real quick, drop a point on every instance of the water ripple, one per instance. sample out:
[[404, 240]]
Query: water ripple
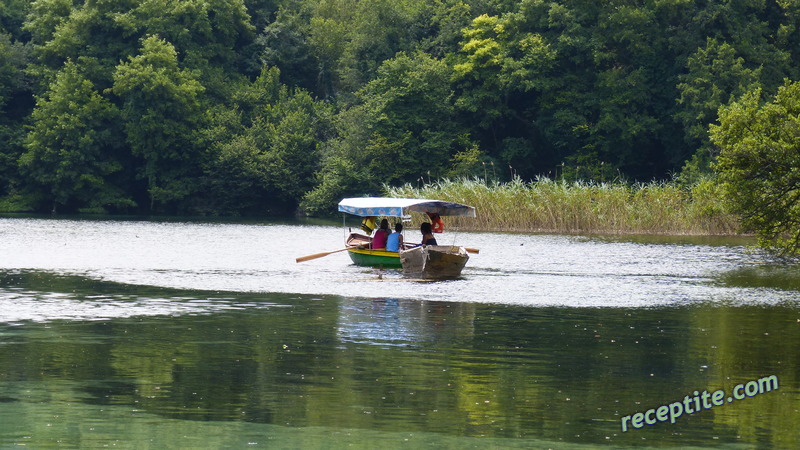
[[516, 269]]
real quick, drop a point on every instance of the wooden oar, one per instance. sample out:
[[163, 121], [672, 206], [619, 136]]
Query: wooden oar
[[318, 255]]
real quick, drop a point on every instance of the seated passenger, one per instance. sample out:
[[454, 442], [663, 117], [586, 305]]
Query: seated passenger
[[395, 240], [427, 235], [379, 240]]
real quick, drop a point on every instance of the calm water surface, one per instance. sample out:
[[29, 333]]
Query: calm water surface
[[138, 334]]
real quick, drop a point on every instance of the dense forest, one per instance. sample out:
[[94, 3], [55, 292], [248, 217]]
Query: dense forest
[[231, 107]]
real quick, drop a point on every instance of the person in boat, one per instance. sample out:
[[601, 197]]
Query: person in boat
[[427, 234], [437, 224], [395, 240], [381, 236]]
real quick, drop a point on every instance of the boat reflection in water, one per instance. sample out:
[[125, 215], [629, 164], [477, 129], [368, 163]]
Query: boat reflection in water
[[392, 322]]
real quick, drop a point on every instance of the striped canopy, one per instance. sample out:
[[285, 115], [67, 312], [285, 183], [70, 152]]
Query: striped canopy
[[399, 207]]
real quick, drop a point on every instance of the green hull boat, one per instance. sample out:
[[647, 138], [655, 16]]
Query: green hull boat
[[375, 258]]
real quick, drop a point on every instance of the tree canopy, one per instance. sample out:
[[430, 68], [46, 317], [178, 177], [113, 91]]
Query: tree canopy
[[760, 165], [278, 106]]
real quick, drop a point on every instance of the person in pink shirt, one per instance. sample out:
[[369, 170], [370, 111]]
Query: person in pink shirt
[[379, 240]]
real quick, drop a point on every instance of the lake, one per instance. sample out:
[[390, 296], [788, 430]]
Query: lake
[[189, 334]]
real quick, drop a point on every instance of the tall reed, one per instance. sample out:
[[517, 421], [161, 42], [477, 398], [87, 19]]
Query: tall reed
[[547, 205]]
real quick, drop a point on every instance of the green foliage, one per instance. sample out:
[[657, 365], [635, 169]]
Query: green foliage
[[442, 26], [759, 165], [160, 110], [15, 105], [410, 89], [340, 178], [285, 44], [71, 146], [500, 61], [341, 42], [87, 34], [12, 16], [208, 34], [264, 151], [400, 131], [716, 77]]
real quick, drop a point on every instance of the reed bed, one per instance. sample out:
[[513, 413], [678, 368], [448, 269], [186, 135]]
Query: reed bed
[[551, 206]]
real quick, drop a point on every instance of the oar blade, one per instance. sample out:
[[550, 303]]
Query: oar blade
[[318, 255], [310, 257]]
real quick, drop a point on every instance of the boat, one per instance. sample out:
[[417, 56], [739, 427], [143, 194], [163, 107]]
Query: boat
[[428, 262], [434, 261], [359, 251]]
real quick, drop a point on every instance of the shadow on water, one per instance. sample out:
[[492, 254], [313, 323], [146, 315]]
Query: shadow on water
[[41, 296]]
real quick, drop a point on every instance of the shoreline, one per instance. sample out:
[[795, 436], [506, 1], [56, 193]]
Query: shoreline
[[539, 207]]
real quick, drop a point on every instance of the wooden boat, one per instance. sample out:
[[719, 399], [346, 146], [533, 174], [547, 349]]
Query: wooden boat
[[434, 261], [425, 262], [362, 255]]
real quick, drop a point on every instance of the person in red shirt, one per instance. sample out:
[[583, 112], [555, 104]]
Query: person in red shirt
[[379, 240]]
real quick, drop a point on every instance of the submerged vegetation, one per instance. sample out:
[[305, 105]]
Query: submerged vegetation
[[547, 205]]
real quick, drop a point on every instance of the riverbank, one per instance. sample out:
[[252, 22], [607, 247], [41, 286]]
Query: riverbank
[[548, 206], [558, 207]]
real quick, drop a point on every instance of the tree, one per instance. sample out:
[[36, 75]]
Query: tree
[[343, 42], [210, 36], [161, 109], [409, 112], [500, 62], [716, 77], [264, 150], [403, 128], [285, 45], [12, 16], [16, 103], [759, 165], [71, 148], [87, 33]]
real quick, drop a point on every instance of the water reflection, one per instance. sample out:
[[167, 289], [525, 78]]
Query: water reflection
[[783, 277], [388, 370], [141, 334], [398, 322], [44, 296]]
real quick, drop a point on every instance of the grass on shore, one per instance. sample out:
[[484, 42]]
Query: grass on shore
[[552, 206]]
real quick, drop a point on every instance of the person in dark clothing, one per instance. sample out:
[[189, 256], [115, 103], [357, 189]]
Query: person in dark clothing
[[427, 234]]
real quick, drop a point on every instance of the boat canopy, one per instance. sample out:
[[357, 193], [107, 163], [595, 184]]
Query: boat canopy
[[400, 207]]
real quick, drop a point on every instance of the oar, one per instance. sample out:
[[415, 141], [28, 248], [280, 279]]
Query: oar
[[318, 255], [468, 249]]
